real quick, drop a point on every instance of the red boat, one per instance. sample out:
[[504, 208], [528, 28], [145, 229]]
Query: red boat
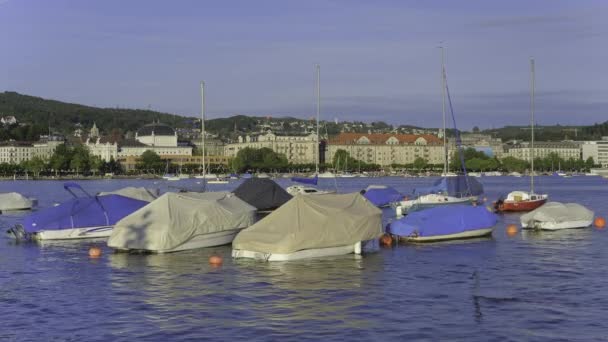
[[520, 201]]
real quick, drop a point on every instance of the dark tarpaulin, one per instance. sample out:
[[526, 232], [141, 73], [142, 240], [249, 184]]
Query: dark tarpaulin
[[262, 193]]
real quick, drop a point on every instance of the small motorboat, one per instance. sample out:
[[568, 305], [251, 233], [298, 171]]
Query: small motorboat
[[15, 201], [311, 227], [556, 216], [141, 193], [170, 177], [78, 218], [183, 221], [327, 174], [444, 223], [381, 195], [304, 190], [520, 201], [264, 194], [218, 181]]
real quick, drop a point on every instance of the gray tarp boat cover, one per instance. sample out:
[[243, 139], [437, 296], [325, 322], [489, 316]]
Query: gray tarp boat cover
[[262, 193], [175, 218], [142, 194], [557, 212], [312, 222], [14, 201]]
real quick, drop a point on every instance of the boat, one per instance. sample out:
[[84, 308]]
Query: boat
[[141, 193], [311, 227], [264, 194], [444, 223], [451, 188], [170, 177], [327, 174], [381, 195], [79, 218], [557, 216], [522, 200], [445, 191], [262, 175], [294, 190], [346, 175], [218, 181], [515, 174], [183, 221], [10, 201]]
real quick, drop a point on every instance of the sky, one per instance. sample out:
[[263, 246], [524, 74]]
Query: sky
[[379, 59]]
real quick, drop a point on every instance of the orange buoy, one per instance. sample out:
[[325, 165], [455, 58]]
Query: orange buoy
[[94, 252], [511, 230], [386, 240], [599, 222], [215, 260]]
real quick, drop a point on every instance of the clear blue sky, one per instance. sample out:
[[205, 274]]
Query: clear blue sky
[[379, 59]]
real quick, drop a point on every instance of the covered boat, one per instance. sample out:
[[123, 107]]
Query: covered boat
[[141, 193], [15, 201], [448, 190], [556, 215], [381, 195], [311, 226], [181, 221], [78, 218], [262, 193], [444, 223]]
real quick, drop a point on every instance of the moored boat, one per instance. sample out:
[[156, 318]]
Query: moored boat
[[381, 195], [141, 193], [78, 218], [444, 223], [520, 201], [15, 201], [557, 216], [182, 221], [264, 194], [310, 227]]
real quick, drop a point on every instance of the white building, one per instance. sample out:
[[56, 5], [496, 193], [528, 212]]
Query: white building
[[16, 152], [598, 150], [565, 150], [8, 120], [298, 149], [156, 137], [385, 148]]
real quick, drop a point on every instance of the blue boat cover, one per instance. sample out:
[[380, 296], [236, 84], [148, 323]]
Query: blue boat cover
[[443, 220], [382, 196], [312, 180], [81, 212], [459, 186]]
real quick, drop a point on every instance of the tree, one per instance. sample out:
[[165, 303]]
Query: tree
[[150, 160], [60, 160], [35, 165], [80, 159], [589, 163], [512, 164], [420, 163]]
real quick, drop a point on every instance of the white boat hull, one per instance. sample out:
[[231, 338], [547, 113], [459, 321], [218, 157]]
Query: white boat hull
[[557, 225], [74, 233], [457, 236], [303, 254], [431, 200]]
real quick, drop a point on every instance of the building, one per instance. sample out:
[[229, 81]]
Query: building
[[598, 150], [16, 152], [385, 148], [156, 137], [298, 149], [483, 142], [213, 146], [130, 163], [564, 149], [8, 120], [94, 133]]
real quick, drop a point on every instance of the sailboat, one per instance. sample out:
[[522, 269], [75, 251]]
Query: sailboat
[[525, 200], [451, 188], [169, 176], [207, 178], [308, 190]]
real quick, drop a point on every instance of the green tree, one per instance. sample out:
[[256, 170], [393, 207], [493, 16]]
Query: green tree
[[80, 159], [512, 164], [420, 164], [35, 166], [60, 160], [150, 160], [589, 163]]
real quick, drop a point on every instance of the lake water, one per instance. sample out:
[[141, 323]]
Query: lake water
[[547, 286]]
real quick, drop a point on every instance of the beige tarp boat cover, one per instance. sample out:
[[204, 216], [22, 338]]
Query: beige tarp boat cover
[[142, 194], [175, 218], [312, 222], [558, 212], [14, 201]]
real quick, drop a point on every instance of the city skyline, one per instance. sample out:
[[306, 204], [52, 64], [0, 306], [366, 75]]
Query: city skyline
[[378, 61]]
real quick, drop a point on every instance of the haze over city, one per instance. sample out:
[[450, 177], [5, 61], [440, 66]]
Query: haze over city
[[379, 60]]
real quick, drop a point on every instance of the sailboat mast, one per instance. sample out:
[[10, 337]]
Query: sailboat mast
[[446, 161], [317, 159], [532, 85], [203, 126]]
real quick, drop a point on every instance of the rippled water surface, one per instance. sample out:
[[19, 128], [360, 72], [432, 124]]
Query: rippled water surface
[[546, 286]]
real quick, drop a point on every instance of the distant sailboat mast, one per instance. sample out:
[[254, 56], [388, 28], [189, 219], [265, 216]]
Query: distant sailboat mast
[[318, 157], [203, 129], [446, 160], [532, 85]]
